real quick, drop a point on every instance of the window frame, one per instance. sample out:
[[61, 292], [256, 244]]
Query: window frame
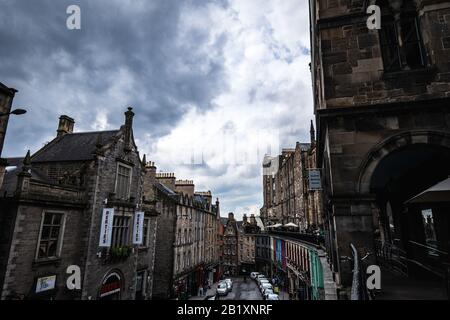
[[406, 16], [121, 164], [146, 235], [59, 243], [129, 231]]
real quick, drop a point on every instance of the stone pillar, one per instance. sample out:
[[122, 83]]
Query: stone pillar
[[24, 177]]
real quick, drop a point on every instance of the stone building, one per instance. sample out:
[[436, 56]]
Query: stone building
[[188, 255], [247, 244], [381, 102], [287, 196], [52, 209], [231, 245], [6, 99]]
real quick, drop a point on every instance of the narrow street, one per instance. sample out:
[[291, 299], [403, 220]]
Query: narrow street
[[243, 291]]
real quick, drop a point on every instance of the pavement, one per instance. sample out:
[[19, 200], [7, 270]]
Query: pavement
[[398, 287]]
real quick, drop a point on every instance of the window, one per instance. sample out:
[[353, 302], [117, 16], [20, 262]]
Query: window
[[145, 235], [123, 181], [120, 231], [400, 39], [140, 285], [50, 236]]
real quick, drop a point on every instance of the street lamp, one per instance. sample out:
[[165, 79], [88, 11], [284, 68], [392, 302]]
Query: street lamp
[[16, 112]]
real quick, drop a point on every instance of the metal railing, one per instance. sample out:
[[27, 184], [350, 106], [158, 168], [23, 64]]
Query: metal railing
[[306, 237], [359, 289]]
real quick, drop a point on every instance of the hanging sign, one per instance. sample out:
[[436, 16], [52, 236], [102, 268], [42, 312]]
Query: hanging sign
[[106, 227], [315, 182], [138, 227]]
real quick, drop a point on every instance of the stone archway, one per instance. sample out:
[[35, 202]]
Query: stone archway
[[391, 144], [393, 172]]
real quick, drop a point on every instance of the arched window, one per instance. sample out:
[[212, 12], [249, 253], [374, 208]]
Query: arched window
[[400, 38]]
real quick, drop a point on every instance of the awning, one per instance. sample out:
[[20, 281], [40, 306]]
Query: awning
[[437, 193], [291, 224]]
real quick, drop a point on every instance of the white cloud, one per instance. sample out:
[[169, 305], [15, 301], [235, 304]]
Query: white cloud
[[269, 95]]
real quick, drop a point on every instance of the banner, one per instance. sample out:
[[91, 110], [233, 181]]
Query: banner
[[106, 227], [138, 229]]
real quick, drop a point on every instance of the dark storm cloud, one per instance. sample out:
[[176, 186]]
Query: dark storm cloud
[[126, 51]]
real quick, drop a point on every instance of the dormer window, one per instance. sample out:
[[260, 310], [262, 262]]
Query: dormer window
[[123, 181], [400, 38]]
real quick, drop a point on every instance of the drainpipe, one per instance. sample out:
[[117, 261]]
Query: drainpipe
[[93, 213]]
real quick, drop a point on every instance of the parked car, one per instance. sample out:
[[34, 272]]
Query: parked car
[[260, 276], [272, 296], [229, 283], [258, 279], [265, 286], [253, 275], [222, 288], [267, 292], [261, 281]]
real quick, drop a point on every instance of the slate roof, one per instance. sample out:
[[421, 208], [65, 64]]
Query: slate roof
[[73, 146], [10, 180], [161, 187]]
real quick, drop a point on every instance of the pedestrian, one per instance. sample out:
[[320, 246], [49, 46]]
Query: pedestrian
[[205, 289], [200, 291]]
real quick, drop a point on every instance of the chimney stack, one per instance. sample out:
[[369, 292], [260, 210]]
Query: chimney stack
[[128, 128], [65, 125], [149, 180]]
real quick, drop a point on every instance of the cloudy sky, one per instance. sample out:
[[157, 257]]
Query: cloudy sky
[[214, 84]]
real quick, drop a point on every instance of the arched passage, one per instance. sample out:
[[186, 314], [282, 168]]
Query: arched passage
[[397, 170]]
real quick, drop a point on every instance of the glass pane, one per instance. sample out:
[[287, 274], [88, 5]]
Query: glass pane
[[42, 250], [48, 218], [55, 233], [57, 219], [45, 233], [52, 249]]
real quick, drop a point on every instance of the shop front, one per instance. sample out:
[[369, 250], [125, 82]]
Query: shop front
[[112, 286]]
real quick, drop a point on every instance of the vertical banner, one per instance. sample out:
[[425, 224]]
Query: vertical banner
[[106, 227], [138, 227]]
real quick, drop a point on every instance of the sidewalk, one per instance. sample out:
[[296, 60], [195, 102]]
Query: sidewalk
[[209, 292]]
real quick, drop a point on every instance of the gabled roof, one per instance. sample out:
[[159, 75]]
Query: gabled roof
[[74, 146]]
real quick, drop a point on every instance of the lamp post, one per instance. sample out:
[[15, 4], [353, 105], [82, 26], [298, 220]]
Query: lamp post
[[3, 125], [16, 112]]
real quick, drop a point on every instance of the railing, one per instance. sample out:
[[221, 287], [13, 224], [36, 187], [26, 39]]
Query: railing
[[306, 237], [359, 289], [392, 255]]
